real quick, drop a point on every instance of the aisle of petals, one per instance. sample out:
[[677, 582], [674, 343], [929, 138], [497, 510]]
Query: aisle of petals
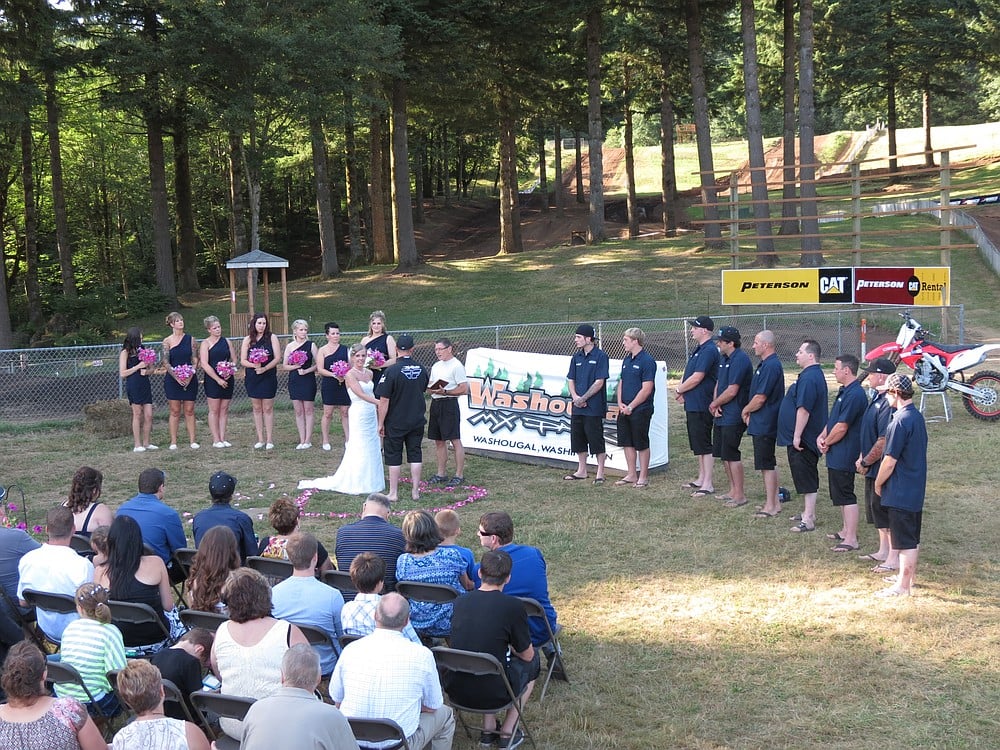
[[468, 493]]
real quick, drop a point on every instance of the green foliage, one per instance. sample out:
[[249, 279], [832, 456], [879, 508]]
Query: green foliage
[[645, 132]]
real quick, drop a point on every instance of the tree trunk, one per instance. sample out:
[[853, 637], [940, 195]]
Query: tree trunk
[[6, 332], [579, 167], [703, 134], [251, 158], [668, 170], [355, 204], [159, 207], [543, 172], [926, 110], [789, 211], [402, 203], [237, 193], [755, 137], [58, 190], [891, 115], [560, 188], [510, 209], [633, 212], [811, 247], [36, 318], [595, 224], [324, 205], [446, 165], [187, 251], [381, 247], [420, 184]]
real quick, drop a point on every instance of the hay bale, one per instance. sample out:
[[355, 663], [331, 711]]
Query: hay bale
[[108, 418]]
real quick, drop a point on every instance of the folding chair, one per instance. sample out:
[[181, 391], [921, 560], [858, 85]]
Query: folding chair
[[22, 620], [81, 545], [341, 580], [274, 569], [478, 664], [553, 659], [316, 636], [437, 593], [134, 613], [61, 674], [225, 706], [196, 618], [47, 601], [172, 694], [183, 558], [378, 731], [346, 638]]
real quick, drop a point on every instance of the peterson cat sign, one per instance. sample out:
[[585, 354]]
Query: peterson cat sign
[[909, 285], [519, 403]]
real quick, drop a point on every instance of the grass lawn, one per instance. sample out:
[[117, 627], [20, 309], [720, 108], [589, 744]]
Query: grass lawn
[[686, 624]]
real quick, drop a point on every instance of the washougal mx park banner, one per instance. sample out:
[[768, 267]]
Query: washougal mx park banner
[[519, 403]]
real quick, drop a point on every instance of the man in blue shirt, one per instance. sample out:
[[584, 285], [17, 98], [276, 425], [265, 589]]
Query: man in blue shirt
[[695, 391], [635, 407], [587, 378], [761, 417], [732, 393], [160, 524], [840, 442], [874, 423], [902, 479], [221, 487], [801, 418]]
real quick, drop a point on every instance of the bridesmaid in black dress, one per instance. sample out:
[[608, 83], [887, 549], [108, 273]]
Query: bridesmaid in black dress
[[138, 390], [261, 377], [378, 338], [334, 391], [301, 380], [181, 392], [218, 385]]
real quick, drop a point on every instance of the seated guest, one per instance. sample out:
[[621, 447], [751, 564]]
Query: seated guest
[[30, 712], [385, 676], [424, 561], [14, 544], [183, 664], [99, 545], [84, 493], [93, 646], [292, 717], [160, 524], [528, 577], [493, 622], [131, 576], [56, 568], [141, 687], [284, 518], [304, 600], [221, 513], [248, 647], [212, 563], [450, 529], [373, 533], [368, 576]]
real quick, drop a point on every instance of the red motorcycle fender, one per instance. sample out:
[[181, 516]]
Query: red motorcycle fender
[[885, 350]]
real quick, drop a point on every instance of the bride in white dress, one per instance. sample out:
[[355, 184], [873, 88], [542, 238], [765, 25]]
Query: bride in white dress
[[360, 471]]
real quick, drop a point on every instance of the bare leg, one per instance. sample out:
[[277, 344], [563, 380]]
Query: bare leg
[[601, 458], [223, 417], [268, 404], [771, 503], [213, 419], [581, 468], [324, 423], [393, 493], [137, 426], [441, 453], [310, 420], [630, 456], [300, 420], [907, 571], [705, 465], [459, 457], [737, 478], [147, 427], [189, 419], [258, 418], [809, 510], [174, 421], [344, 422], [415, 470], [510, 720], [643, 465], [850, 532]]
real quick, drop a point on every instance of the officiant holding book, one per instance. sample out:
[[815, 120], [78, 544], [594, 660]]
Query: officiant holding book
[[448, 382]]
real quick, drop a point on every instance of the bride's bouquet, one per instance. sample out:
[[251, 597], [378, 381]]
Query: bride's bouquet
[[375, 360], [340, 369]]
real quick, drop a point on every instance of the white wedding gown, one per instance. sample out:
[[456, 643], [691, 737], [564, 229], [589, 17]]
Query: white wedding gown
[[360, 471]]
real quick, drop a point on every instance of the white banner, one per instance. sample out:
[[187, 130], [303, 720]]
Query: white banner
[[519, 403]]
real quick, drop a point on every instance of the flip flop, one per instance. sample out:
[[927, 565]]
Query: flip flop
[[844, 547], [764, 514], [640, 485], [802, 528], [871, 557], [572, 477], [691, 486], [835, 536], [599, 480], [883, 569], [724, 497], [702, 493], [624, 482], [735, 503]]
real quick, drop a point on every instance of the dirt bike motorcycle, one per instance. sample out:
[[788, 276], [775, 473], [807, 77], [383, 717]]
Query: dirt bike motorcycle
[[939, 367]]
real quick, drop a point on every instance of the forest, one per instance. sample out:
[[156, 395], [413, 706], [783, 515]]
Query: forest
[[144, 144]]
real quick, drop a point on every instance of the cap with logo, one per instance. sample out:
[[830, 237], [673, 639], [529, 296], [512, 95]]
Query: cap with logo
[[585, 329], [703, 321], [221, 485], [405, 342], [882, 366], [728, 333]]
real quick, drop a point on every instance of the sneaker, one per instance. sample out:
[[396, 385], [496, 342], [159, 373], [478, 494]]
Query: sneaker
[[300, 446], [437, 479], [269, 446], [195, 446], [152, 447], [218, 444], [327, 447], [258, 446], [456, 481], [173, 447], [306, 446], [488, 739], [226, 444], [138, 449], [515, 740]]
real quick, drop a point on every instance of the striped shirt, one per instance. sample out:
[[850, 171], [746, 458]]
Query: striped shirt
[[92, 648]]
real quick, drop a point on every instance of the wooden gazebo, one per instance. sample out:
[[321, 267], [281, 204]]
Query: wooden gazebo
[[252, 261]]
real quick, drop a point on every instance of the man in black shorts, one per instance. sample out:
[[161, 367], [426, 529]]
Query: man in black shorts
[[767, 387], [587, 377], [448, 382], [402, 415], [695, 391]]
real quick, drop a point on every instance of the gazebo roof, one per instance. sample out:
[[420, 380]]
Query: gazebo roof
[[257, 259]]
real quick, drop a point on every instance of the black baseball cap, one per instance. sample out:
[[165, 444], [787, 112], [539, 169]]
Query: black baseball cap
[[221, 485], [881, 365], [585, 329], [728, 333], [703, 321], [405, 342]]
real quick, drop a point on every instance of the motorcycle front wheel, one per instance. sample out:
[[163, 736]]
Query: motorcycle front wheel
[[987, 405]]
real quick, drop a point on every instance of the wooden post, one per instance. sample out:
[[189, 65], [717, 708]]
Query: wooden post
[[856, 210], [284, 295], [267, 295], [946, 222], [250, 291], [734, 219]]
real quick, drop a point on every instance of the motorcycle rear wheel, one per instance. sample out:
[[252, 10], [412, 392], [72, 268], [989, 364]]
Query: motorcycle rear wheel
[[986, 409]]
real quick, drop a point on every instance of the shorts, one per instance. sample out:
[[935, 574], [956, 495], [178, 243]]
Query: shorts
[[520, 672], [393, 448], [763, 453], [805, 474], [445, 420], [633, 430], [841, 487], [874, 511], [904, 528], [699, 427], [726, 444], [587, 431]]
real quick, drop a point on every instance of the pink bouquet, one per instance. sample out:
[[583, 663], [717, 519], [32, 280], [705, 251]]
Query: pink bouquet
[[297, 358], [184, 372], [340, 369], [225, 369], [146, 356], [258, 355], [375, 359]]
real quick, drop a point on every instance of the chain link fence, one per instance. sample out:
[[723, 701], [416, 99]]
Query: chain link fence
[[50, 384]]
